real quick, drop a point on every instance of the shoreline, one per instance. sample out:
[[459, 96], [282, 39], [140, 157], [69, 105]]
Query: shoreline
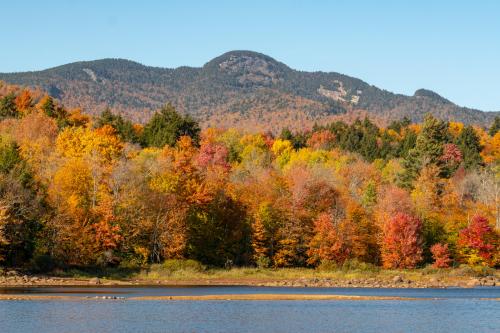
[[398, 281], [157, 275], [226, 297]]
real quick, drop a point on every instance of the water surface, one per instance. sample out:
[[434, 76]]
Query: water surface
[[456, 310]]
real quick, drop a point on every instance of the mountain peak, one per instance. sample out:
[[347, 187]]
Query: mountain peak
[[249, 68], [244, 54], [432, 95]]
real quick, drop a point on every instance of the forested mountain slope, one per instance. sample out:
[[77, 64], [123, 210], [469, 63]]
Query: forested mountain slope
[[239, 88]]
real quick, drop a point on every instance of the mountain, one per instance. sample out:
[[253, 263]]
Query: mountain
[[239, 88]]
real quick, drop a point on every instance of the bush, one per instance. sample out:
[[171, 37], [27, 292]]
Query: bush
[[42, 263], [174, 265], [263, 262], [441, 255], [474, 271], [356, 265], [328, 265], [348, 265], [481, 271]]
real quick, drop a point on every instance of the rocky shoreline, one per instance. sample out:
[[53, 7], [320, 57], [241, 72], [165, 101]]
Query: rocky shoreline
[[396, 282], [16, 279]]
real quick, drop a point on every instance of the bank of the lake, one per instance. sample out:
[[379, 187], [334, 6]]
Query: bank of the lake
[[292, 277]]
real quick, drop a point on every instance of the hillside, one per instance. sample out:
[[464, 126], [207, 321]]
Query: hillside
[[239, 88]]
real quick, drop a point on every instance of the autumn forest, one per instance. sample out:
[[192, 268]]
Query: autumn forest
[[79, 191]]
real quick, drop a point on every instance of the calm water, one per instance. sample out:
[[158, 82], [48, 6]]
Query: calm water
[[456, 310]]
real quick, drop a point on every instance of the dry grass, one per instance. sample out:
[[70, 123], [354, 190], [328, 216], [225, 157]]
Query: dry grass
[[284, 274]]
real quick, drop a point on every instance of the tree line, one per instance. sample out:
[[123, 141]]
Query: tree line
[[81, 191]]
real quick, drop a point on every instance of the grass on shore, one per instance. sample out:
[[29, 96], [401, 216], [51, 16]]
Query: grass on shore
[[192, 271]]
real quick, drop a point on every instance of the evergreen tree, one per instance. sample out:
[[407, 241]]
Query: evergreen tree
[[286, 134], [469, 144], [8, 107], [428, 149], [48, 106], [369, 198], [123, 127], [495, 127], [298, 140], [368, 147], [166, 126], [408, 143], [398, 125]]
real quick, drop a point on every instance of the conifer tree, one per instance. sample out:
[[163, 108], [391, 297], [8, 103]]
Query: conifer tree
[[428, 149], [8, 107], [167, 126], [495, 127], [469, 145]]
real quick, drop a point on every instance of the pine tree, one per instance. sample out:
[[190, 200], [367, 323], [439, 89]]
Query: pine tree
[[123, 127], [47, 105], [167, 126], [469, 144], [369, 198], [495, 127], [428, 149], [8, 107]]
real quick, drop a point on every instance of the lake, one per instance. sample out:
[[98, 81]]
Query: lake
[[452, 310]]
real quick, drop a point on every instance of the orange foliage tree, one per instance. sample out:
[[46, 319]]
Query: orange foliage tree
[[441, 255], [402, 242]]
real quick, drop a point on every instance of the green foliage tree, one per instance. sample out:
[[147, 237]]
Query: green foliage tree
[[428, 149], [8, 107], [495, 127], [369, 198], [123, 127], [20, 208], [398, 125], [470, 146], [166, 126], [406, 144], [219, 233], [48, 106]]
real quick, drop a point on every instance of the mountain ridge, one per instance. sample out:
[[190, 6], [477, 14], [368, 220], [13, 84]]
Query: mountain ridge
[[236, 89]]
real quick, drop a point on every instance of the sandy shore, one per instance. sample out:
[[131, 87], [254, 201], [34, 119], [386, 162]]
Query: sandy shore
[[229, 297], [273, 297]]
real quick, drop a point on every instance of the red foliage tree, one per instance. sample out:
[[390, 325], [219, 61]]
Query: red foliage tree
[[402, 242], [321, 140], [332, 241], [451, 153], [441, 256], [214, 155], [479, 241]]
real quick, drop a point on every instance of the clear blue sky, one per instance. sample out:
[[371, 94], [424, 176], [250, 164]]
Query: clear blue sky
[[451, 47]]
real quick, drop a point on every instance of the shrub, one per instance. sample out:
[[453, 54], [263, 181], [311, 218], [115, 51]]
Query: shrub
[[441, 256], [174, 265], [348, 265], [356, 265], [263, 262], [473, 271], [327, 266], [42, 263]]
